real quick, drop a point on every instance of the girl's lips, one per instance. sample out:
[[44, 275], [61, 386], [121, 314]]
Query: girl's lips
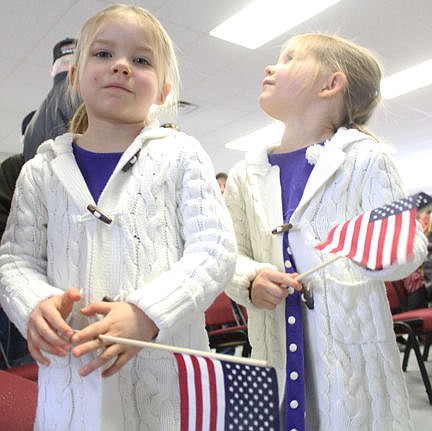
[[267, 82], [118, 87]]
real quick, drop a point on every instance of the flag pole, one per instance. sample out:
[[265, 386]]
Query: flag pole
[[175, 349], [317, 268]]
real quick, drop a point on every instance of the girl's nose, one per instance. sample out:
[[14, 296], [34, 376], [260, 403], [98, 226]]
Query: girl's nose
[[269, 70], [121, 66]]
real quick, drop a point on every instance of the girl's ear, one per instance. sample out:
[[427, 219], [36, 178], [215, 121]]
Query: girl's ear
[[163, 95], [333, 85]]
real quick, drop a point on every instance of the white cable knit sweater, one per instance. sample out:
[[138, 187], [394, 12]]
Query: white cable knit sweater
[[170, 250], [353, 373]]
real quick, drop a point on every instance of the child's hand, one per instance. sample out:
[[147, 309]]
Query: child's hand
[[47, 329], [269, 288], [121, 319]]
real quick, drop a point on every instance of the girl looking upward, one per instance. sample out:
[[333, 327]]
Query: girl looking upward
[[338, 365]]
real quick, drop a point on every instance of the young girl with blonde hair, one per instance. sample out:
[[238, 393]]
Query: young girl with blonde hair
[[338, 364], [119, 208]]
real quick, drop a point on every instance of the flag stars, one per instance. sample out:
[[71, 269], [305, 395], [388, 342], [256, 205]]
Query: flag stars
[[253, 402], [249, 404]]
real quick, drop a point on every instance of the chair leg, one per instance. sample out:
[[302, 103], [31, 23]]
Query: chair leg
[[407, 352], [427, 344], [246, 351], [412, 342], [422, 367], [4, 356]]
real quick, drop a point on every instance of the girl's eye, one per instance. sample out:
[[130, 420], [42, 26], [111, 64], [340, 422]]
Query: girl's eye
[[103, 54], [142, 61]]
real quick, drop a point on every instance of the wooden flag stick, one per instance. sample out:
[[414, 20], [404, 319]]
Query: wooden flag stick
[[317, 268], [175, 349]]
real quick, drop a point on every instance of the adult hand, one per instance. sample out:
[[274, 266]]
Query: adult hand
[[121, 319], [47, 329], [270, 287]]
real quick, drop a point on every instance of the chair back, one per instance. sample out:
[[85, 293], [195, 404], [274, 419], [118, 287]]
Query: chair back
[[18, 398], [396, 296], [220, 312]]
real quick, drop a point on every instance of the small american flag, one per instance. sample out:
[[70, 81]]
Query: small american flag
[[219, 395], [378, 238]]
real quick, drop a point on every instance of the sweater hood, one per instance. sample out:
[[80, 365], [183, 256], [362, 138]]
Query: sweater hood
[[343, 138], [63, 144]]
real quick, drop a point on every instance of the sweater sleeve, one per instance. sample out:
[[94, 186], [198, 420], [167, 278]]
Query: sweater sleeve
[[383, 185], [207, 261], [246, 268], [23, 280]]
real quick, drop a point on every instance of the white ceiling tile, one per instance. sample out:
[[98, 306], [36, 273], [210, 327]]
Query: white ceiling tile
[[224, 80]]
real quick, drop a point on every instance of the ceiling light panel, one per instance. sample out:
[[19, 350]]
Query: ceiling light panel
[[263, 20], [407, 80], [270, 135]]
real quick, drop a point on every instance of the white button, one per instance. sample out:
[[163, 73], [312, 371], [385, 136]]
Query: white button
[[293, 347], [289, 250], [294, 375], [290, 290], [291, 320], [288, 264], [293, 429], [294, 404]]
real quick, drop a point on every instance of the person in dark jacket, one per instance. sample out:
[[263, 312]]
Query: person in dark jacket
[[50, 120], [13, 347], [54, 114]]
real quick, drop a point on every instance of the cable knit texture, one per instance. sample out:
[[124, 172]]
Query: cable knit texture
[[170, 250], [354, 379]]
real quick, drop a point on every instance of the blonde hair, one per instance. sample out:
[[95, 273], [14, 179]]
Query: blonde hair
[[164, 54], [428, 229], [361, 68]]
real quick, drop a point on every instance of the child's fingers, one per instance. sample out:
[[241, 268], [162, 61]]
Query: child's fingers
[[97, 308], [37, 355], [50, 327], [36, 345], [56, 329], [66, 303], [117, 352], [289, 280], [68, 299], [50, 311], [87, 347], [122, 359], [91, 332], [282, 279]]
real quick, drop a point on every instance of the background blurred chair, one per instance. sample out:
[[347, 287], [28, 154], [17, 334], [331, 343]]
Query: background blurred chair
[[17, 402], [226, 323], [27, 371], [415, 324]]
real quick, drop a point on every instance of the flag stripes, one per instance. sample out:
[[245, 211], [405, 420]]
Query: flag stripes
[[201, 390], [379, 238]]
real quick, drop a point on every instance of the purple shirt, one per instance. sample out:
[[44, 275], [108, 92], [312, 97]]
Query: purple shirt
[[96, 168], [294, 173]]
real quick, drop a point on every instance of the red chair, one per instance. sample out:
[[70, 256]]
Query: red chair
[[414, 323], [226, 323], [18, 397], [27, 371]]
